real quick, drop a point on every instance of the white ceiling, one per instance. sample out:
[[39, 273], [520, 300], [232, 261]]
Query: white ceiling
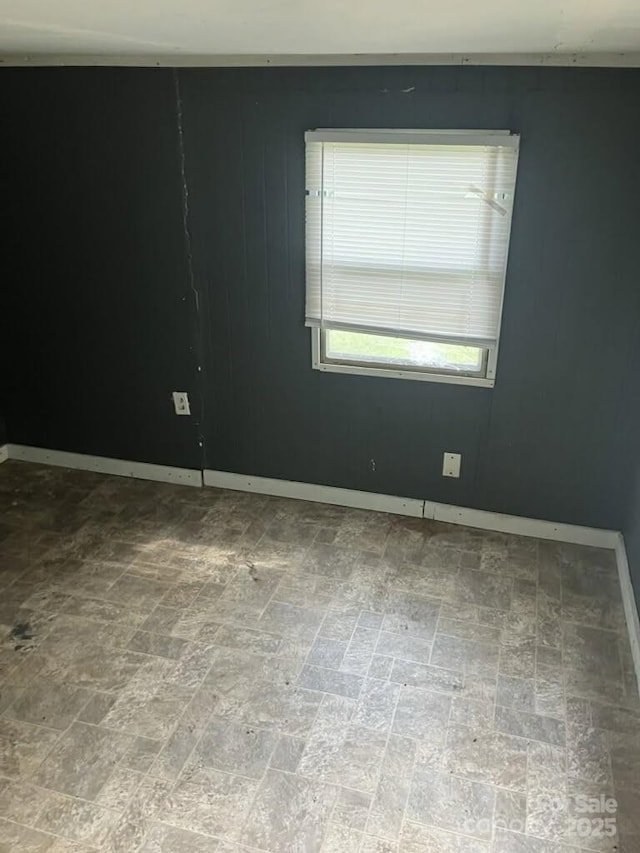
[[272, 27]]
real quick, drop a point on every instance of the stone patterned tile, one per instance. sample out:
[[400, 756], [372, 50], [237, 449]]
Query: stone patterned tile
[[175, 691], [287, 753], [285, 707], [119, 788], [169, 839], [147, 716], [170, 758], [362, 530], [417, 839], [146, 804], [533, 726], [290, 813], [368, 619], [625, 760], [464, 655], [411, 614], [246, 596], [492, 757], [481, 687], [518, 657], [341, 839], [156, 644], [546, 767], [101, 668], [402, 646], [233, 748], [516, 693], [327, 652], [142, 593], [478, 713], [82, 760], [422, 714], [21, 802], [591, 648], [376, 704], [373, 844], [510, 812], [330, 560], [430, 581], [426, 676], [615, 719], [238, 637], [390, 800], [339, 624], [469, 630], [588, 755], [587, 828], [331, 681], [217, 806], [380, 667], [547, 816], [357, 658], [549, 692], [451, 803], [484, 589], [351, 808], [515, 842], [23, 747], [141, 754], [48, 703], [77, 820], [13, 836], [189, 672], [595, 684], [343, 754], [291, 621]]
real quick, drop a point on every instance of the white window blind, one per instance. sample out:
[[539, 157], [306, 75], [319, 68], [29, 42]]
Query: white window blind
[[408, 231]]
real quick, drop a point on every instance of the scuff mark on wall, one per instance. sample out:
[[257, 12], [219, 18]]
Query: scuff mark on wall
[[199, 354]]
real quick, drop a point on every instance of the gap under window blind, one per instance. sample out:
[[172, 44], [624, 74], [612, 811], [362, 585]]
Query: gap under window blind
[[409, 237]]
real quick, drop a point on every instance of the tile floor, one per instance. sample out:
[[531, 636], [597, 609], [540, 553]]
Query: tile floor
[[196, 670]]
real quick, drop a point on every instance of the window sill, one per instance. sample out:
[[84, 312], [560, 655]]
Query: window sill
[[392, 372], [395, 373]]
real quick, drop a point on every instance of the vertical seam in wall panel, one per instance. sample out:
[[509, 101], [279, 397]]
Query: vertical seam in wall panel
[[197, 349]]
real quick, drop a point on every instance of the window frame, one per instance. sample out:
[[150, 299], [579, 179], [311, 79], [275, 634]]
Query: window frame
[[319, 361]]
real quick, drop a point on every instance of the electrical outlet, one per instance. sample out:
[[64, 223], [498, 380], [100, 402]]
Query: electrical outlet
[[181, 403], [451, 465]]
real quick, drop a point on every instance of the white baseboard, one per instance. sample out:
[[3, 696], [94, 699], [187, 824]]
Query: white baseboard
[[519, 525], [4, 453], [629, 603], [414, 507], [316, 494], [105, 465]]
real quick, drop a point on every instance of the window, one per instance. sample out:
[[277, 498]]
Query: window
[[407, 240]]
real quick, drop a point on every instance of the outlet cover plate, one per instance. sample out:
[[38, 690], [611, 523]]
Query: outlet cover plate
[[451, 464], [181, 403]]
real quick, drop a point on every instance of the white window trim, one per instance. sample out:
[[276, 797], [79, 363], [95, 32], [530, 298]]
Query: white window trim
[[502, 137], [390, 372]]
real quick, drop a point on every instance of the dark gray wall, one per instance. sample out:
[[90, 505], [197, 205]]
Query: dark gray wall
[[631, 530], [97, 309], [102, 327], [542, 443], [629, 438]]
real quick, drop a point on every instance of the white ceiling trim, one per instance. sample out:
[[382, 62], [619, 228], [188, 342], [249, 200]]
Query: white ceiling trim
[[583, 60]]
